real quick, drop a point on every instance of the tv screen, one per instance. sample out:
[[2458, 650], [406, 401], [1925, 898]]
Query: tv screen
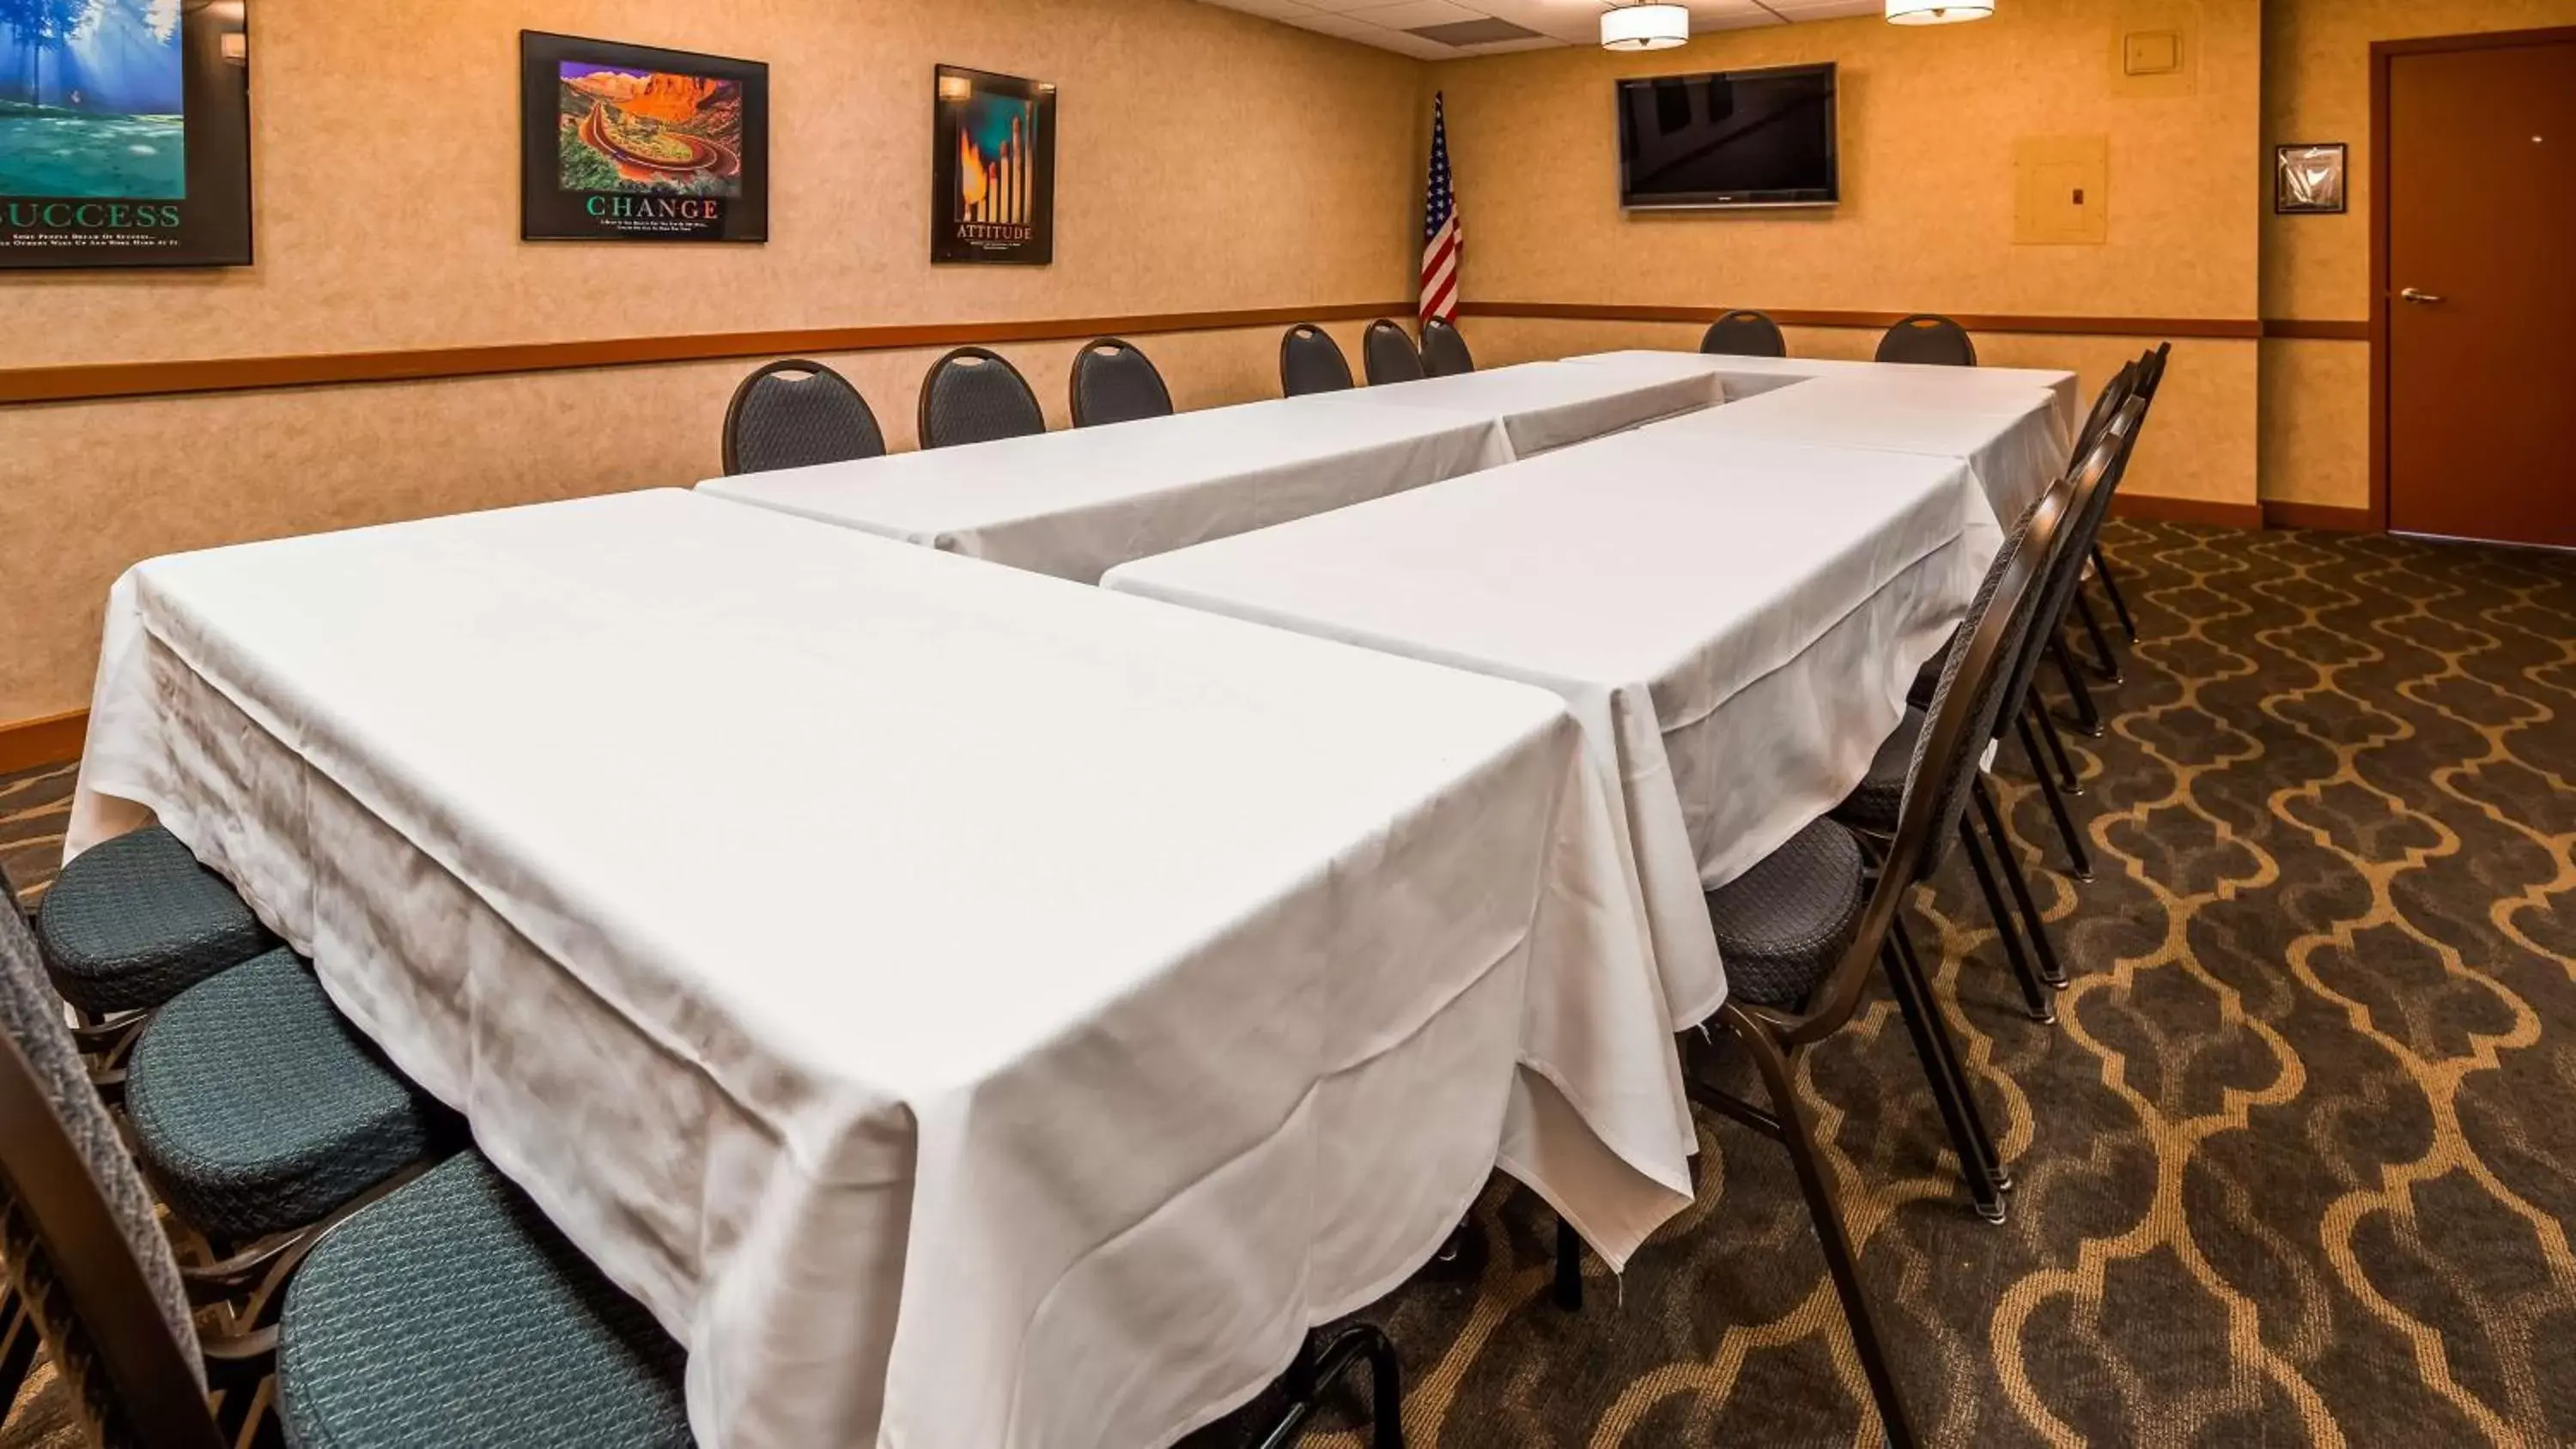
[[1739, 138]]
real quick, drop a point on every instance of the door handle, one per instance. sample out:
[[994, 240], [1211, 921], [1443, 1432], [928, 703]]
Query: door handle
[[2419, 297]]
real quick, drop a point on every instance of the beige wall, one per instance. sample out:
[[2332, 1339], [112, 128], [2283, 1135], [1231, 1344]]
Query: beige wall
[[2316, 87], [1929, 121], [387, 194]]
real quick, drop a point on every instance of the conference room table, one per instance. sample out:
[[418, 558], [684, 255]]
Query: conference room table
[[963, 1006], [2011, 439], [1734, 627], [1077, 503], [1896, 383]]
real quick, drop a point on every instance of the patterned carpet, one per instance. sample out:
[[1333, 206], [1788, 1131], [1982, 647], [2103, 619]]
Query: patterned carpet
[[2297, 1164]]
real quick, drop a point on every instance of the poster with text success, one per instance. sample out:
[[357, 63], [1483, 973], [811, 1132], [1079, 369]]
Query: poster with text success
[[124, 133]]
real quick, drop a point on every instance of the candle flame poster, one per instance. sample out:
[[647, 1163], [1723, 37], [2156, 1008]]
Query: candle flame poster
[[124, 133], [626, 143], [992, 169]]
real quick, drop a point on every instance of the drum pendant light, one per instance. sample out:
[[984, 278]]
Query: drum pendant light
[[1645, 27], [1937, 12]]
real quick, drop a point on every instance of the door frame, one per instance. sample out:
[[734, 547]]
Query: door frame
[[2382, 53]]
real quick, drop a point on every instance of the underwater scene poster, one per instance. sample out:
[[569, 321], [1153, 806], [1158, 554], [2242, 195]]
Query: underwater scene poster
[[628, 143], [992, 169], [124, 133]]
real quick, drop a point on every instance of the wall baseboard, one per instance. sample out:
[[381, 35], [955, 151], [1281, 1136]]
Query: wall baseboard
[[2152, 509], [53, 740], [2330, 517]]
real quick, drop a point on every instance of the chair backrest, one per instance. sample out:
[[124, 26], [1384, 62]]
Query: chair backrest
[[1115, 382], [1946, 757], [1927, 338], [794, 414], [2064, 573], [2151, 371], [1389, 354], [974, 396], [2106, 406], [1744, 333], [84, 1251], [1310, 361], [1444, 351]]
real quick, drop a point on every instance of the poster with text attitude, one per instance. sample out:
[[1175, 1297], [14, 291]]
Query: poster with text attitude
[[124, 133], [992, 169], [624, 143]]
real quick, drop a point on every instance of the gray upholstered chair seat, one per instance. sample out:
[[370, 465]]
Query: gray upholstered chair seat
[[1876, 802], [134, 921], [258, 1108], [1783, 925], [452, 1313]]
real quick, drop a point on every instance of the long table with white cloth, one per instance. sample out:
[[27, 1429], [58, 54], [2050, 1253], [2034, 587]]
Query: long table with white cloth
[[1077, 503], [1735, 627], [1908, 383], [965, 1007]]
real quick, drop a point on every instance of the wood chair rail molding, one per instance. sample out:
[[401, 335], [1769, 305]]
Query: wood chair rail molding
[[2219, 327], [99, 381]]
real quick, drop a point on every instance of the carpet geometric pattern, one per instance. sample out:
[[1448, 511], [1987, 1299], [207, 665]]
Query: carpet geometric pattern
[[2297, 1164]]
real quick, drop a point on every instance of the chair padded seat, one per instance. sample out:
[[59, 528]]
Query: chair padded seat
[[1876, 802], [134, 921], [259, 1108], [1783, 924], [452, 1313]]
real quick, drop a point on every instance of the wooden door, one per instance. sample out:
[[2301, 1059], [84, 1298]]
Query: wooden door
[[2481, 292]]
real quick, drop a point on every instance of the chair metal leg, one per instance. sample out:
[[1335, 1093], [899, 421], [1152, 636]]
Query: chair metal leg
[[1839, 1260], [1321, 1361], [2087, 718], [1569, 1267], [2106, 657], [1980, 1165], [2078, 859], [2111, 586], [2034, 924], [2034, 992], [18, 1345], [2069, 779]]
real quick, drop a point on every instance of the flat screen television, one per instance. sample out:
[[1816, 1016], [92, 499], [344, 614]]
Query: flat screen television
[[1730, 139]]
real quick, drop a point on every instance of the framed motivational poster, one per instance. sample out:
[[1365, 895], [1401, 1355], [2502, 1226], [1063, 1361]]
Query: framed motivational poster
[[124, 133], [992, 168], [628, 143]]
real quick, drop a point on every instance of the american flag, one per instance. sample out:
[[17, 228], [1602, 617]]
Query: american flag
[[1443, 239]]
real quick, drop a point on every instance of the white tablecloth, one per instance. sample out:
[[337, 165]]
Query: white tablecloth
[[1735, 628], [2010, 439], [1900, 382], [967, 1008], [1548, 405], [1075, 503]]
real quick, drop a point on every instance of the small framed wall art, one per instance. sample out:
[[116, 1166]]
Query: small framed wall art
[[628, 143], [2308, 178], [992, 169], [124, 134]]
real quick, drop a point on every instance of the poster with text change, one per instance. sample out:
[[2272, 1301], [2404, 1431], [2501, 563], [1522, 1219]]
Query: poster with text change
[[625, 143]]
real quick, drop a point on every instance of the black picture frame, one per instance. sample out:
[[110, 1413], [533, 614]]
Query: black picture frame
[[1008, 218], [575, 186], [87, 226], [2299, 188]]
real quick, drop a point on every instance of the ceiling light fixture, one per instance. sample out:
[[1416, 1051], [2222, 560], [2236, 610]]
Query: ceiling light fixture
[[1645, 27], [1937, 12]]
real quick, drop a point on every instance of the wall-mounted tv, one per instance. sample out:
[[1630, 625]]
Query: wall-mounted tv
[[1730, 139]]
